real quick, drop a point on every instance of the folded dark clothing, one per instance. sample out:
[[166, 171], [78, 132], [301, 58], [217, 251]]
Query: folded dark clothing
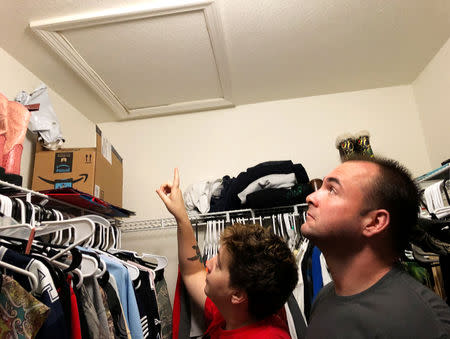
[[217, 204], [253, 173], [273, 197]]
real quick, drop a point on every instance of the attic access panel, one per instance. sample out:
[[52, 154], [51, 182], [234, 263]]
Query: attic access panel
[[146, 60]]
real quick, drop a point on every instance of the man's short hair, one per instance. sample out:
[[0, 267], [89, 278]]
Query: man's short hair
[[262, 265], [394, 190]]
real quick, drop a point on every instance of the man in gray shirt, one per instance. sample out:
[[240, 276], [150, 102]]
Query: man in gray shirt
[[360, 219]]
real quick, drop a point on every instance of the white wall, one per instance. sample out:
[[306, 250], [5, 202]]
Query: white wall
[[432, 93], [76, 128], [209, 145]]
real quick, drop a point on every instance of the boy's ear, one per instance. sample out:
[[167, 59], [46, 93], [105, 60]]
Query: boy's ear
[[238, 297]]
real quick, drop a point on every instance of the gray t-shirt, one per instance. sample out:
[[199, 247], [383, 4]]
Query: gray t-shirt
[[397, 306]]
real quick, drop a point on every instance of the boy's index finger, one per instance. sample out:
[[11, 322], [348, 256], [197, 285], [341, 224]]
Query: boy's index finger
[[176, 178]]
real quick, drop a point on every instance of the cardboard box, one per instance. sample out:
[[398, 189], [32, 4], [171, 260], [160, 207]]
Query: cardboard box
[[97, 171]]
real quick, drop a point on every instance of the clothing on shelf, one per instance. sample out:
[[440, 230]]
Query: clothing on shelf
[[231, 193]]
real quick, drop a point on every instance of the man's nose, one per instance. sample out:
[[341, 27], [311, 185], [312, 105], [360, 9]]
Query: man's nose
[[312, 199]]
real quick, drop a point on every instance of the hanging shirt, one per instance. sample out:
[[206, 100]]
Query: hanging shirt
[[126, 295], [271, 327], [147, 304], [90, 325], [120, 327], [21, 314], [93, 290], [75, 315], [108, 313], [298, 291], [55, 325], [316, 272], [164, 306], [60, 280]]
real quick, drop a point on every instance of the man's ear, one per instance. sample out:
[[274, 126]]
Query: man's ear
[[375, 222], [239, 297]]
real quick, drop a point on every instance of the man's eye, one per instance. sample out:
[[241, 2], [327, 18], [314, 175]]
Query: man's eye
[[331, 190]]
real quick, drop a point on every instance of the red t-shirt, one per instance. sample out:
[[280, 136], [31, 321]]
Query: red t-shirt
[[271, 327]]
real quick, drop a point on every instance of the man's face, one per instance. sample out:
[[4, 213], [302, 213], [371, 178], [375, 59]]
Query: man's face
[[334, 211], [217, 286]]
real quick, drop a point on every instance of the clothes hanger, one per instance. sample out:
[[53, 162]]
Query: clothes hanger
[[20, 231], [214, 238], [274, 229], [6, 206], [119, 237], [83, 229], [60, 233], [22, 210], [162, 261], [102, 269], [112, 239], [33, 278], [105, 238]]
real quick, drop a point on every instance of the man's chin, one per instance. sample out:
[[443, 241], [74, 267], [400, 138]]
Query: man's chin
[[305, 230]]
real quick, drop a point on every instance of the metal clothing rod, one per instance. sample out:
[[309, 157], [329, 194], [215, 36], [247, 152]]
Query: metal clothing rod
[[21, 189], [200, 219]]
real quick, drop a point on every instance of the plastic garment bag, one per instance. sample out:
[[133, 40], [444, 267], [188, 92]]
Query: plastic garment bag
[[44, 121]]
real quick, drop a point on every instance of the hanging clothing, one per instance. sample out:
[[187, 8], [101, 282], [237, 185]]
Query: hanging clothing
[[326, 276], [62, 287], [108, 313], [147, 304], [120, 328], [75, 315], [181, 326], [298, 291], [55, 324], [296, 322], [21, 314], [90, 325], [93, 290], [308, 289], [126, 295], [164, 306], [316, 272]]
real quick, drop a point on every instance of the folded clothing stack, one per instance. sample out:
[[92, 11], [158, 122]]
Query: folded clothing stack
[[268, 184]]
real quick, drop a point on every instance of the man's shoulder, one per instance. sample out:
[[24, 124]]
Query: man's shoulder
[[397, 304], [424, 299]]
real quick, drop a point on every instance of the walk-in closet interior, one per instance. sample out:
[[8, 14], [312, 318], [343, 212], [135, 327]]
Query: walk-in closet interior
[[248, 99]]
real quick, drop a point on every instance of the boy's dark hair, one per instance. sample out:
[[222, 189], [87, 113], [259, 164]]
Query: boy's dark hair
[[262, 265], [394, 190]]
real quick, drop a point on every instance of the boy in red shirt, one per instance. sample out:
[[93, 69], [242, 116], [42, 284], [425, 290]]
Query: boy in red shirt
[[245, 285]]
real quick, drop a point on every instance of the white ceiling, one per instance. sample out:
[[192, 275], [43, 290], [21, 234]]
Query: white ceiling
[[133, 59]]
